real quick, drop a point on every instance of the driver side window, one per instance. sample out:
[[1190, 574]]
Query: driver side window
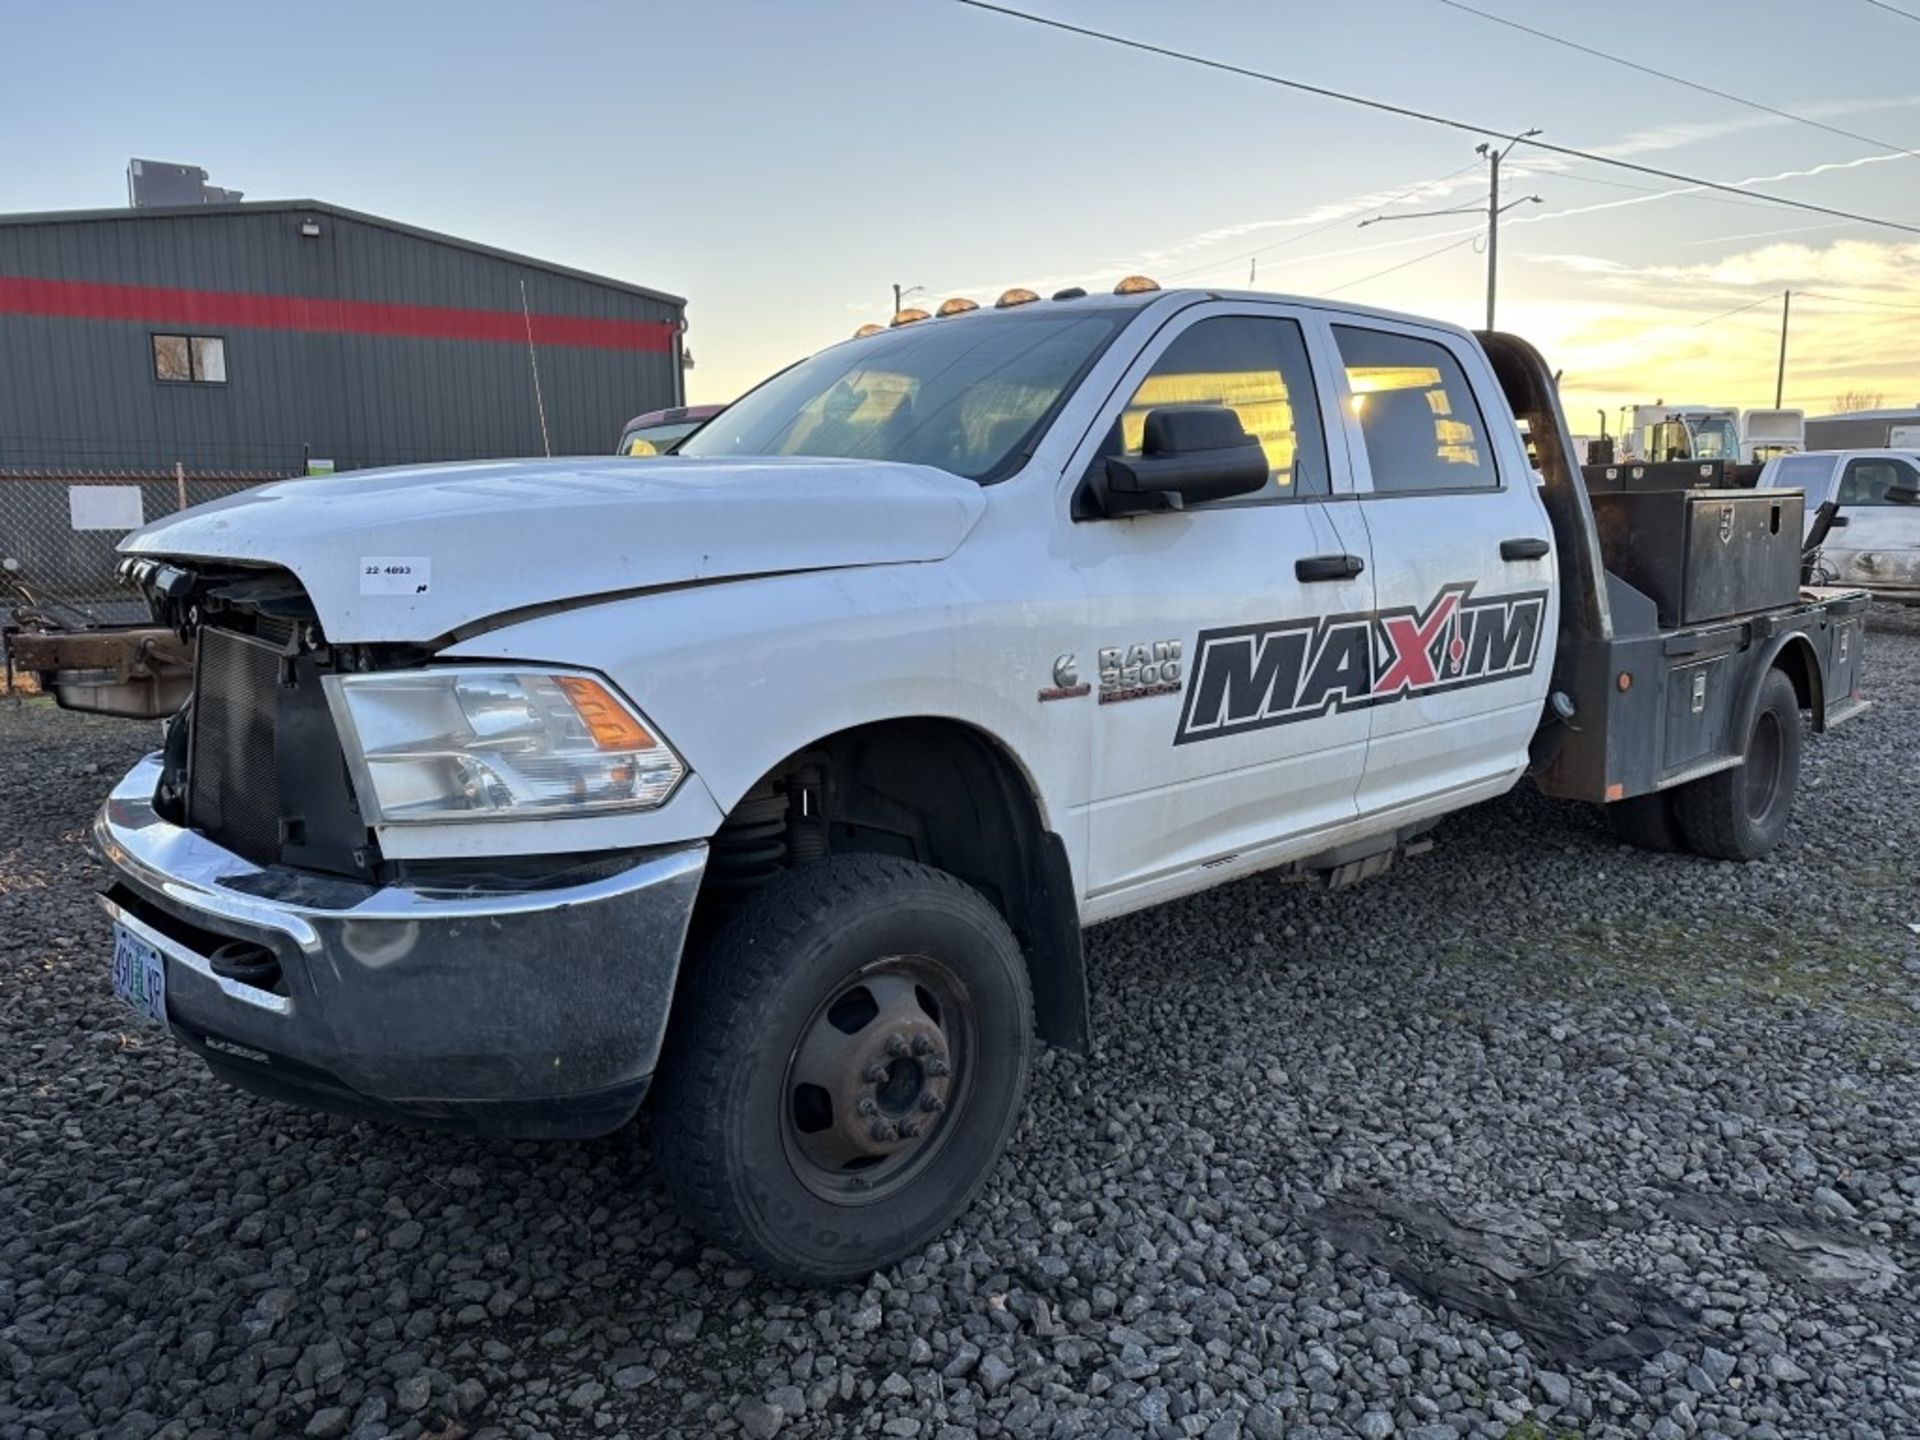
[[1256, 367], [1867, 481]]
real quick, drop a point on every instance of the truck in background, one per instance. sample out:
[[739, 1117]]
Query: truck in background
[[1737, 444], [1662, 432], [1765, 434]]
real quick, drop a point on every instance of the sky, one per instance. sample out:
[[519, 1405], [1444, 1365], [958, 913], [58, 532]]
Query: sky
[[783, 163]]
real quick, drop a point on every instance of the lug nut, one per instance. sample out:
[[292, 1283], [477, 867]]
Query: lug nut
[[937, 1067], [921, 1044], [909, 1130], [896, 1045], [881, 1130], [875, 1072], [867, 1107], [931, 1103]]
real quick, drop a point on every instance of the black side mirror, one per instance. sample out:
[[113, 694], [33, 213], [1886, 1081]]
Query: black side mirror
[[1190, 454], [1903, 495], [1839, 522]]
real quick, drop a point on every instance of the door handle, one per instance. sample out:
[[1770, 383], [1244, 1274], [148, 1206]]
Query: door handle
[[1527, 548], [1328, 567]]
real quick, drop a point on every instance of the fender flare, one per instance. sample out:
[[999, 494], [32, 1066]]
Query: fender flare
[[1802, 667]]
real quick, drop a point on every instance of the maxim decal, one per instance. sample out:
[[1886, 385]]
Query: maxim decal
[[1247, 677]]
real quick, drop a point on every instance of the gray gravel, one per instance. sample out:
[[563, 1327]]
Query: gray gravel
[[1535, 1138]]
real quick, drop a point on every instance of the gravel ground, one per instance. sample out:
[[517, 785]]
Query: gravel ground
[[1535, 1138]]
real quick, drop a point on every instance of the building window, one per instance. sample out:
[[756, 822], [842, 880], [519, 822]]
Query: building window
[[189, 359]]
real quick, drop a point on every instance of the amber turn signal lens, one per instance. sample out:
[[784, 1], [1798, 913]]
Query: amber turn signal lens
[[607, 720]]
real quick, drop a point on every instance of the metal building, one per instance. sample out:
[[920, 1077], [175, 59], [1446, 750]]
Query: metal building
[[258, 337], [1865, 430]]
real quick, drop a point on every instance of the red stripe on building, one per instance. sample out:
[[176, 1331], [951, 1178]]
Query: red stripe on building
[[201, 310]]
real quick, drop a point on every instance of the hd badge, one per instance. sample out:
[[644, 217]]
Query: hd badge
[[1134, 672]]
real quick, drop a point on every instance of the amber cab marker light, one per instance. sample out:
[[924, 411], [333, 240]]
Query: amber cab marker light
[[607, 720], [958, 305], [1136, 285], [1016, 296], [868, 329], [907, 317]]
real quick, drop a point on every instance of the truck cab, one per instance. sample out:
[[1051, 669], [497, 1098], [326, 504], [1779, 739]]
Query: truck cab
[[1665, 433], [774, 782]]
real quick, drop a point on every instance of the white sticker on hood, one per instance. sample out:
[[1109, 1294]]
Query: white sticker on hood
[[395, 574]]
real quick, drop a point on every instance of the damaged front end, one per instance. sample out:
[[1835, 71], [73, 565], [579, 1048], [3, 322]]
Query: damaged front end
[[521, 995]]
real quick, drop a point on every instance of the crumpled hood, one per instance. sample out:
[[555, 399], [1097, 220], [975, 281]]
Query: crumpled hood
[[412, 554]]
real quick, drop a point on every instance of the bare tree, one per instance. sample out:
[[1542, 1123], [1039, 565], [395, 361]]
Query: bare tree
[[1852, 400]]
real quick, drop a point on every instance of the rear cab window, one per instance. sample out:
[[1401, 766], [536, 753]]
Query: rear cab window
[[1418, 417], [1810, 473]]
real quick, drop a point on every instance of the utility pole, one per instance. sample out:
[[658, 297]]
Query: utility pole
[[1780, 377], [901, 292], [1494, 211], [1494, 157]]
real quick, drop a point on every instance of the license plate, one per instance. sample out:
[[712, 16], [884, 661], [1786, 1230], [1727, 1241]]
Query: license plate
[[139, 975]]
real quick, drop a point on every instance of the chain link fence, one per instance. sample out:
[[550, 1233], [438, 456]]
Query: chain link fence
[[58, 530]]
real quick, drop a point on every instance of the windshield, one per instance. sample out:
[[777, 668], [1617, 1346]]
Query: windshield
[[1715, 440], [962, 393], [655, 439]]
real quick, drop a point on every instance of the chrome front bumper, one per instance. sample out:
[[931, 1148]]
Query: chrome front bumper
[[513, 1011]]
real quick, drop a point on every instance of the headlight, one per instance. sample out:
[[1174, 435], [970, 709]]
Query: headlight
[[473, 744]]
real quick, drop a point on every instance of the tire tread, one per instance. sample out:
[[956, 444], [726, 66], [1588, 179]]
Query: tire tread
[[732, 997]]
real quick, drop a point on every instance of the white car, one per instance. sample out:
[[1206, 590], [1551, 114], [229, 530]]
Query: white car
[[1876, 540], [779, 776]]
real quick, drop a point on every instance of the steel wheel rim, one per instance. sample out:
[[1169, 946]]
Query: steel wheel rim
[[1765, 753], [877, 1078]]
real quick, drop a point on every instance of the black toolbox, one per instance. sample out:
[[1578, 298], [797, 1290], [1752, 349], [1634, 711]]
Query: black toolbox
[[1703, 555]]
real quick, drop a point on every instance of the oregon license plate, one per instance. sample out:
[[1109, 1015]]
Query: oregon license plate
[[139, 975]]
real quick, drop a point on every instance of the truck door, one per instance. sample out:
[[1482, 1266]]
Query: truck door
[[1202, 622], [1463, 571]]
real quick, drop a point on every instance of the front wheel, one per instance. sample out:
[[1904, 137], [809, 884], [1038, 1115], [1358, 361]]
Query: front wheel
[[845, 1067], [1740, 814]]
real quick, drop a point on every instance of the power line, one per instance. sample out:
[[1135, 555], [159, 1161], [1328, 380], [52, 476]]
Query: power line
[[1894, 10], [1641, 189], [1729, 314], [1855, 300], [1675, 79], [1334, 224], [1407, 112], [1431, 254]]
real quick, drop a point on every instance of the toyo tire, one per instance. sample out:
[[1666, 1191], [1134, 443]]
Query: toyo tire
[[845, 1067], [1741, 813]]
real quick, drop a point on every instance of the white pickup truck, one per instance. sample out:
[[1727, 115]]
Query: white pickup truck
[[779, 777]]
